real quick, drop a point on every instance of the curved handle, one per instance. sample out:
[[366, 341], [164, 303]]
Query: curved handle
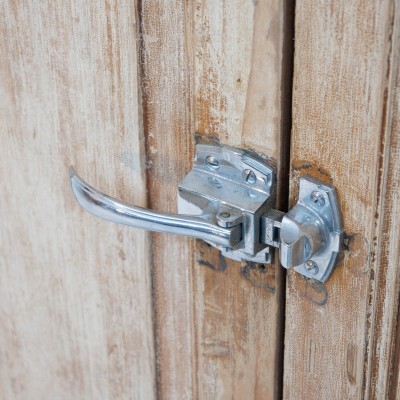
[[110, 209]]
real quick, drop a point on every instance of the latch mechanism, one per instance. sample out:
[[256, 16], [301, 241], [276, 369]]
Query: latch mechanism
[[227, 200]]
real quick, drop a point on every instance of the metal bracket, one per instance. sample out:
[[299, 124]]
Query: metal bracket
[[311, 232], [227, 200], [239, 186]]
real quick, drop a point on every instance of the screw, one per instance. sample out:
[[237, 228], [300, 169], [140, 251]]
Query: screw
[[312, 267], [212, 162], [228, 219], [249, 176], [317, 198]]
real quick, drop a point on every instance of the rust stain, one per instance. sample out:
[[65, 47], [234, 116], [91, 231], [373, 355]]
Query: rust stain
[[300, 168], [206, 139], [305, 167]]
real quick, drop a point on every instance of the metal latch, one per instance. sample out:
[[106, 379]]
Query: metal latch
[[227, 200]]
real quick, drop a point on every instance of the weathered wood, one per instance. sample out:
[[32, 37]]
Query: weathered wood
[[75, 291], [240, 100], [383, 364], [345, 62], [217, 323], [165, 73]]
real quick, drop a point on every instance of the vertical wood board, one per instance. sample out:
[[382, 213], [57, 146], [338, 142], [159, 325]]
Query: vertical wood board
[[342, 62], [218, 70], [75, 291], [165, 71], [383, 363], [240, 57]]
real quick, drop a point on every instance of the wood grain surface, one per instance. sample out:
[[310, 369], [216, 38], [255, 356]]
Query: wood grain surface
[[75, 291], [340, 336], [384, 362], [219, 70], [241, 99], [165, 73], [123, 91]]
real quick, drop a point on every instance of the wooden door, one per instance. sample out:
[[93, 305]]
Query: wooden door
[[341, 337], [75, 293], [123, 91]]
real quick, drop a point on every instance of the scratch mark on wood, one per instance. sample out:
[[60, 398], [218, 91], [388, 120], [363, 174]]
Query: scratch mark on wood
[[312, 290], [216, 348], [352, 363], [217, 265], [311, 356], [260, 275]]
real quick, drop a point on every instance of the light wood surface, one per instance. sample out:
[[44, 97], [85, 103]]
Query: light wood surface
[[216, 69], [123, 91], [165, 71], [384, 361], [240, 100], [75, 292], [339, 336]]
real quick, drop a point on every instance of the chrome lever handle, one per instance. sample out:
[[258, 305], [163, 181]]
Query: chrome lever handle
[[201, 227]]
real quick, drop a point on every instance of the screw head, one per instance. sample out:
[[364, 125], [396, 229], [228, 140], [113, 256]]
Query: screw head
[[228, 219], [212, 162], [225, 214], [249, 176], [317, 198], [311, 267]]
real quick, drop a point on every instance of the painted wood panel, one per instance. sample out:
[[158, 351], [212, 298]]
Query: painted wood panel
[[346, 60], [75, 291]]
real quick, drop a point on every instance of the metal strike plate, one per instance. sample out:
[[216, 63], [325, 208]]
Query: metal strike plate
[[318, 205]]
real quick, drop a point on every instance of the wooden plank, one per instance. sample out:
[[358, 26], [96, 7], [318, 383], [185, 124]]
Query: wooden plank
[[383, 367], [217, 69], [75, 291], [165, 73], [242, 61], [343, 58]]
